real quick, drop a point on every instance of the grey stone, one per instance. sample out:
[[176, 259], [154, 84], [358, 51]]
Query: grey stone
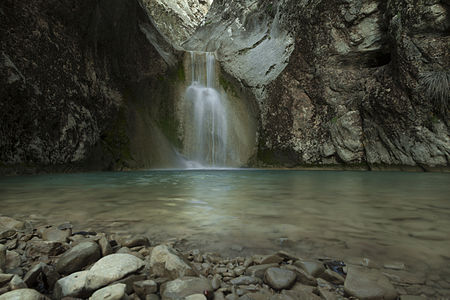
[[145, 287], [196, 297], [130, 280], [304, 288], [38, 248], [73, 285], [300, 294], [6, 232], [313, 268], [2, 256], [17, 283], [332, 277], [279, 279], [258, 270], [5, 278], [23, 294], [216, 282], [271, 259], [183, 287], [51, 276], [105, 246], [368, 284], [10, 223], [78, 257], [112, 292], [55, 234], [239, 270], [219, 296], [302, 276], [32, 275], [256, 296], [134, 241], [395, 266], [166, 262], [245, 280], [327, 294], [13, 260], [112, 268]]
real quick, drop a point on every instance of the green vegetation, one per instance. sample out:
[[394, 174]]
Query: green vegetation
[[436, 85], [227, 86]]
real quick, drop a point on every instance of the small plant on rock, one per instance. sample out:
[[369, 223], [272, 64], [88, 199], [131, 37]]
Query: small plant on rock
[[436, 85]]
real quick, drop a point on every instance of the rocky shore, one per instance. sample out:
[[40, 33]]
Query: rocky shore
[[55, 262]]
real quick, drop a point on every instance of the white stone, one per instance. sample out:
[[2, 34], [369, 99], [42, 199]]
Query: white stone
[[71, 286], [23, 294], [164, 261], [112, 268], [112, 292]]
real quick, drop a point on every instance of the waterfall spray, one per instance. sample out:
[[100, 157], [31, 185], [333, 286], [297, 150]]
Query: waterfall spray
[[206, 125]]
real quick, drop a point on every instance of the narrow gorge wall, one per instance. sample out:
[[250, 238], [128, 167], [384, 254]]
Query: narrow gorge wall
[[84, 85], [353, 83], [340, 83]]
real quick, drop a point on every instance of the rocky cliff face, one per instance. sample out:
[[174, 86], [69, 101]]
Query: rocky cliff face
[[361, 83], [81, 85], [349, 83]]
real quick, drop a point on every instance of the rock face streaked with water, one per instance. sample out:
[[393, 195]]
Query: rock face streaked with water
[[332, 83]]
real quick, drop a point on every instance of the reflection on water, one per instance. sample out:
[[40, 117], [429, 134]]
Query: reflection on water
[[387, 217]]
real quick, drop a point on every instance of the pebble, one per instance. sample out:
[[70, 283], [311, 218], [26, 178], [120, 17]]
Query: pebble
[[145, 287], [245, 280], [332, 277], [183, 287], [2, 256], [258, 270], [313, 268]]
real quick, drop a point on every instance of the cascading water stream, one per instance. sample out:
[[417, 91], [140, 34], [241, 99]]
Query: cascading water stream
[[206, 125]]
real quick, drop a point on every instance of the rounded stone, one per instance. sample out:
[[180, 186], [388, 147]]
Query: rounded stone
[[367, 284], [279, 279], [78, 257], [21, 294]]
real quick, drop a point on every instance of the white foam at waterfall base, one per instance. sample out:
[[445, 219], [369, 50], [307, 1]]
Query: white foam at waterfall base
[[206, 124]]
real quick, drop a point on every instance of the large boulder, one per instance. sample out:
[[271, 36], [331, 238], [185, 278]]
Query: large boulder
[[166, 262], [183, 287], [112, 268], [78, 257], [368, 284]]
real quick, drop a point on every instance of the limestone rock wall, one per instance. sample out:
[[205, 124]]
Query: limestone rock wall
[[177, 19], [75, 77], [355, 82]]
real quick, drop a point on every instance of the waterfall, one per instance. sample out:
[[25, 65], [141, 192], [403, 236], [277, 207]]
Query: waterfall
[[206, 125]]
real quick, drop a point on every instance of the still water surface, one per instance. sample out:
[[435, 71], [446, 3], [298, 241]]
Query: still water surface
[[387, 217]]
